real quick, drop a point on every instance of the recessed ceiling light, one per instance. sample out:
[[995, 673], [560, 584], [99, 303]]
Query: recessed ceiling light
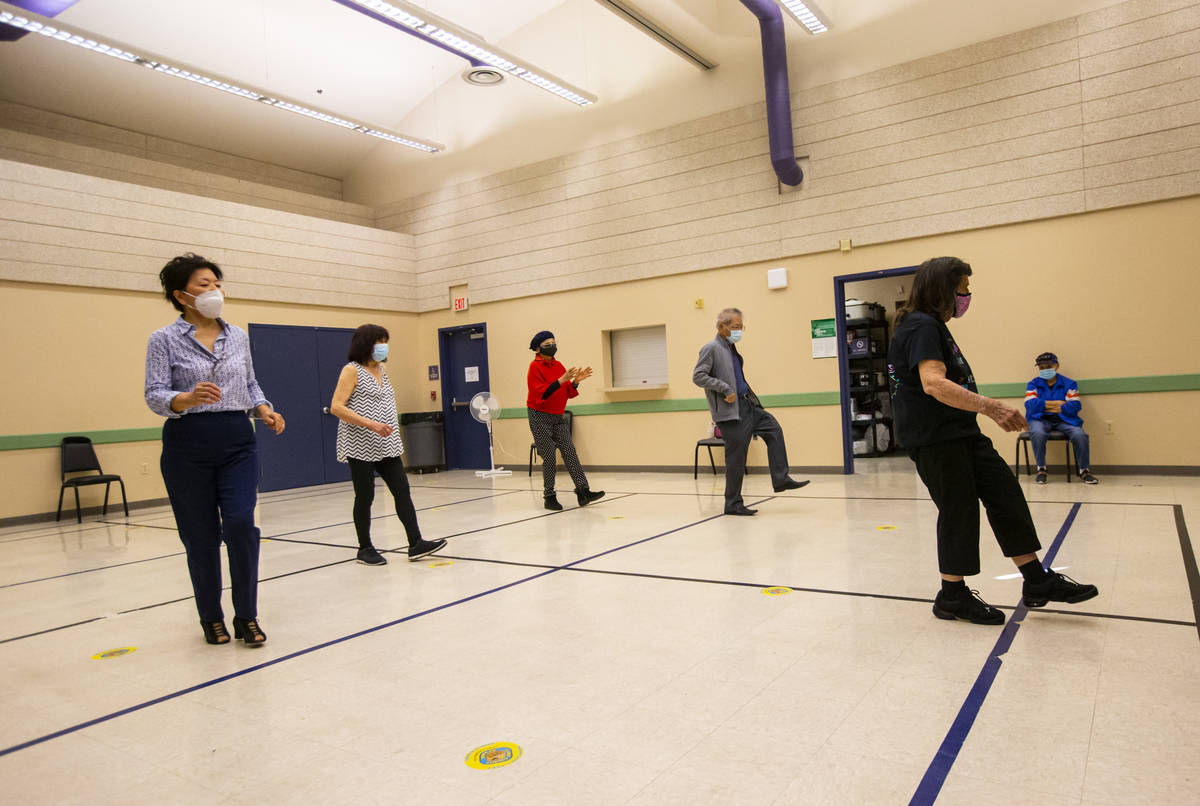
[[805, 13], [78, 37], [471, 46]]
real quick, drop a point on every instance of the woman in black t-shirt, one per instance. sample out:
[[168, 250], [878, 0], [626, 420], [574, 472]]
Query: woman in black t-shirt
[[936, 402]]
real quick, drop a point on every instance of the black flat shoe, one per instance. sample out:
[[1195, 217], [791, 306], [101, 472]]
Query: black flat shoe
[[790, 484], [1056, 587], [743, 510], [371, 556], [968, 607], [423, 548], [585, 496], [215, 632], [551, 503], [248, 630]]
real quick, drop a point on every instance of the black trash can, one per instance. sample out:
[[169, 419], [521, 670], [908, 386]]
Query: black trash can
[[424, 448]]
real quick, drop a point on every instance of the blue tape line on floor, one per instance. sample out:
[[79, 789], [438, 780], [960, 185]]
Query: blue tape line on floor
[[242, 672], [935, 776]]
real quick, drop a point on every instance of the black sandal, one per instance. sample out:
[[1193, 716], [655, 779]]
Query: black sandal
[[248, 630], [215, 632]]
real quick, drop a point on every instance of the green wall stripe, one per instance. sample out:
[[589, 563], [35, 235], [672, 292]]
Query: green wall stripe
[[18, 442], [1095, 386]]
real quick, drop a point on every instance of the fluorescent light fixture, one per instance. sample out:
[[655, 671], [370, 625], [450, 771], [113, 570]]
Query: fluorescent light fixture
[[641, 19], [807, 14], [470, 46], [80, 38]]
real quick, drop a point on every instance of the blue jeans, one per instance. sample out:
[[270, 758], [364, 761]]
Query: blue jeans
[[1040, 429]]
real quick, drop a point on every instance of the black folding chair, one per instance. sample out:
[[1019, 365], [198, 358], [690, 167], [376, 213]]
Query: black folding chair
[[78, 456]]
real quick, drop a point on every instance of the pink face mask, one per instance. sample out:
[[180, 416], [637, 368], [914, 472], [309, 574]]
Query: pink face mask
[[961, 303]]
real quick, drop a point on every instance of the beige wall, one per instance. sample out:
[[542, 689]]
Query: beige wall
[[1091, 287], [1092, 112], [1096, 288], [38, 137], [78, 230], [74, 361]]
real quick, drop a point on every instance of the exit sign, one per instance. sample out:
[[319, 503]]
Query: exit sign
[[458, 303]]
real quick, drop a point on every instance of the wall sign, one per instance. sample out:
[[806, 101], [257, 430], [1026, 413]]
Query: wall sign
[[824, 338]]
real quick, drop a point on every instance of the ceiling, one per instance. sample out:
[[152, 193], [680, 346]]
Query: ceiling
[[321, 53]]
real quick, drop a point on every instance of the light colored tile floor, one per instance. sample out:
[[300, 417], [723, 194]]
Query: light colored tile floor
[[628, 647]]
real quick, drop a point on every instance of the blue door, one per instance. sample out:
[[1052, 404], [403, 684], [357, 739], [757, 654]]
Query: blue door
[[464, 368], [297, 368], [332, 346]]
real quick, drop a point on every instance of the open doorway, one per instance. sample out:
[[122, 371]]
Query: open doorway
[[864, 312]]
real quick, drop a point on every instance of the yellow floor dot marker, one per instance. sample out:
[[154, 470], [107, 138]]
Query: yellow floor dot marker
[[114, 653], [886, 528], [491, 756], [776, 591], [616, 517], [441, 563]]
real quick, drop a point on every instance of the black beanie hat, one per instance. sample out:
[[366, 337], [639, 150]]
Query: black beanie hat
[[539, 338]]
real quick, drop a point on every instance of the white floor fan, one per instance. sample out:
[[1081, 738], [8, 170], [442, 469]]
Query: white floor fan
[[486, 408]]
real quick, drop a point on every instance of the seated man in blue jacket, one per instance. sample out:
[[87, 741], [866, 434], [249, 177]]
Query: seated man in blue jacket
[[1052, 404]]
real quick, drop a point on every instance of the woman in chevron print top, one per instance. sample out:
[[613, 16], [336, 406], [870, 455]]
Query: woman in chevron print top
[[369, 441]]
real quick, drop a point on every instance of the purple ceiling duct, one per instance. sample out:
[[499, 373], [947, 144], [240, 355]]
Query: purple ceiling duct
[[47, 8], [388, 21], [779, 99]]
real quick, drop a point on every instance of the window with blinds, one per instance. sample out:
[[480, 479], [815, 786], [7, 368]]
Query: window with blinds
[[639, 355]]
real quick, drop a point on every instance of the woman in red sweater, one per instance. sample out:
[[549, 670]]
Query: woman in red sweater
[[550, 384]]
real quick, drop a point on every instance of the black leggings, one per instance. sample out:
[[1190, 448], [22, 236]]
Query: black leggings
[[391, 470]]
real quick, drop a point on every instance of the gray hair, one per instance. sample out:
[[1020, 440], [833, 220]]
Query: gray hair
[[726, 316]]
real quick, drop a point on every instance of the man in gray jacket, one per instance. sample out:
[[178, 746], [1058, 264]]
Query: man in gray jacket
[[738, 413]]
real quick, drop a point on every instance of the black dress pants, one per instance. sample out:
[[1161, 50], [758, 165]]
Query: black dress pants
[[210, 467], [960, 473], [754, 421]]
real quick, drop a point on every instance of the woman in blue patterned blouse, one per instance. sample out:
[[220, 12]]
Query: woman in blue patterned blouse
[[199, 375]]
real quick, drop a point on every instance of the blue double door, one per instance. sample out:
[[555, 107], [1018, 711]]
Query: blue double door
[[297, 368]]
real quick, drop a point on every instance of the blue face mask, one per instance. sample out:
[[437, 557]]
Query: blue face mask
[[735, 336], [380, 352], [1047, 374]]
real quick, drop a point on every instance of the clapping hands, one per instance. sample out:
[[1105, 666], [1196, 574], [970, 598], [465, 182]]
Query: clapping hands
[[577, 374]]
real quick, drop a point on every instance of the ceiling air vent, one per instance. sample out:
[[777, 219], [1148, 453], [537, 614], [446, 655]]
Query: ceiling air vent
[[482, 76]]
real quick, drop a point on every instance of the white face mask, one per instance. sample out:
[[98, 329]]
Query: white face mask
[[209, 303]]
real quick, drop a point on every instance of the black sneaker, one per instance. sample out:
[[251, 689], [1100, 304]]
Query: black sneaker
[[585, 496], [423, 548], [551, 502], [968, 608], [369, 556], [1041, 477], [1087, 477], [1057, 587]]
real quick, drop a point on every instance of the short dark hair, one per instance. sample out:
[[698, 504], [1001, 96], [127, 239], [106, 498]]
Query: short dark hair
[[934, 286], [363, 342], [178, 272]]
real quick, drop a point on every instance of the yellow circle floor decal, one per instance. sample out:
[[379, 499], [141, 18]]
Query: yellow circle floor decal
[[616, 517], [491, 756], [114, 653], [886, 528], [776, 591], [441, 564]]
